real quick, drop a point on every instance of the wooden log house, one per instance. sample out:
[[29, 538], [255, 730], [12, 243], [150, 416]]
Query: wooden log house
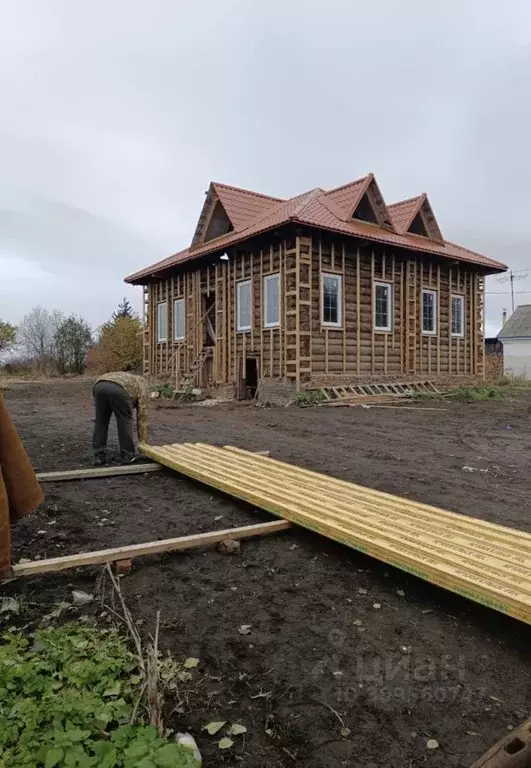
[[323, 289]]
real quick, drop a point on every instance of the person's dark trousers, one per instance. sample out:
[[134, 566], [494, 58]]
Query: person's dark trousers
[[111, 398]]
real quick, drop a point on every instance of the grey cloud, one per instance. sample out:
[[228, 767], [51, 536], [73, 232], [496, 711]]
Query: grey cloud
[[115, 117]]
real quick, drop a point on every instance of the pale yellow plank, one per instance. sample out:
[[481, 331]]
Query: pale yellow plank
[[486, 562]]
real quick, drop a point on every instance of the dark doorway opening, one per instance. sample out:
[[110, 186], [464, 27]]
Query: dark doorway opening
[[251, 377]]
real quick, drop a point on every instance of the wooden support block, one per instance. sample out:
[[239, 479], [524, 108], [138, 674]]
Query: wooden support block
[[121, 554], [122, 567], [512, 751]]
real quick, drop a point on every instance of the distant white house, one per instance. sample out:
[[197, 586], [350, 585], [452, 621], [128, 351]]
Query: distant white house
[[516, 339]]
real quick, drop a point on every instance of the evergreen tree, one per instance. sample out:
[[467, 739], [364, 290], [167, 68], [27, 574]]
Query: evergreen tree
[[124, 310]]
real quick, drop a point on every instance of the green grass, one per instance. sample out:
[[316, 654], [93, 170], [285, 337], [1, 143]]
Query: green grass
[[67, 698], [496, 391], [492, 392]]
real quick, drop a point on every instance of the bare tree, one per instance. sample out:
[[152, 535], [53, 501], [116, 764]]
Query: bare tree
[[37, 333]]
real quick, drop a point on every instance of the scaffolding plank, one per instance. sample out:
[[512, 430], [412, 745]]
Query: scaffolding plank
[[485, 562]]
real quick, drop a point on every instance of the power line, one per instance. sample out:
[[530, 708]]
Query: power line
[[503, 293]]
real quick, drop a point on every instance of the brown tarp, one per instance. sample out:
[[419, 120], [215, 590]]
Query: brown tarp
[[20, 492]]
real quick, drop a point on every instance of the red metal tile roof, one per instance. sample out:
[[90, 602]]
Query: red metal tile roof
[[348, 196], [403, 212], [242, 206], [252, 214]]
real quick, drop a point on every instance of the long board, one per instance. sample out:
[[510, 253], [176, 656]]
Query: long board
[[485, 562]]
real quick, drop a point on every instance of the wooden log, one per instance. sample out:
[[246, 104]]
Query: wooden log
[[120, 554]]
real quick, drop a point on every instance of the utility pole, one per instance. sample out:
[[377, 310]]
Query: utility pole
[[514, 274]]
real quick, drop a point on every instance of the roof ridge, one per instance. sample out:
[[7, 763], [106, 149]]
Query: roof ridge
[[248, 191], [407, 200], [312, 195], [349, 184]]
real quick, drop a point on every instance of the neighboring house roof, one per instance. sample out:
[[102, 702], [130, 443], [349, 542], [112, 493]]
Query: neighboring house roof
[[250, 214], [518, 326]]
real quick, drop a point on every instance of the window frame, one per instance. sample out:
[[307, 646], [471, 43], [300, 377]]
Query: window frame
[[183, 303], [244, 328], [266, 280], [162, 339], [389, 286], [461, 334], [339, 279], [433, 293]]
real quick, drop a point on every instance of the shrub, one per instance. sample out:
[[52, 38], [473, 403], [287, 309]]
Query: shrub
[[309, 397]]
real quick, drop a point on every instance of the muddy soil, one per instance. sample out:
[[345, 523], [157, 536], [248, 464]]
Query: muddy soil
[[320, 658]]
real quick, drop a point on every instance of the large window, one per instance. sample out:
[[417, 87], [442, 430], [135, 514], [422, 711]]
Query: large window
[[429, 312], [162, 322], [271, 301], [243, 306], [331, 300], [458, 316], [178, 320], [383, 307]]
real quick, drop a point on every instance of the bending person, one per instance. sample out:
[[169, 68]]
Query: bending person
[[119, 393]]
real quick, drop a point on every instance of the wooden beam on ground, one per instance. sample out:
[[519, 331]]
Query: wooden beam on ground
[[93, 472], [407, 408], [118, 554]]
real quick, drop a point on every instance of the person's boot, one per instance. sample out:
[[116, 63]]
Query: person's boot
[[129, 458], [100, 461]]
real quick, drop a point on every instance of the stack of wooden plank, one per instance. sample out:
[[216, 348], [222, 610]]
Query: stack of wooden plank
[[488, 563]]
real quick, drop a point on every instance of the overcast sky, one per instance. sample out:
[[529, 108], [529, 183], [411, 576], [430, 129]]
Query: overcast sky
[[115, 116]]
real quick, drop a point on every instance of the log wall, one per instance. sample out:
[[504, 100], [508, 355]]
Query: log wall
[[302, 349]]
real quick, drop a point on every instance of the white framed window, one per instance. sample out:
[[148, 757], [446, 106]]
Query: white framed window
[[178, 320], [162, 322], [429, 312], [458, 316], [383, 307], [331, 300], [271, 301], [243, 306]]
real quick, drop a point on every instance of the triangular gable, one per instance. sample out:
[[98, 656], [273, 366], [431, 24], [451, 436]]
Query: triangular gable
[[244, 207], [371, 206], [415, 216], [207, 212], [345, 198], [429, 221], [228, 209], [362, 200]]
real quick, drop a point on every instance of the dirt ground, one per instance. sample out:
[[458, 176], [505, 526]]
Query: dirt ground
[[320, 657]]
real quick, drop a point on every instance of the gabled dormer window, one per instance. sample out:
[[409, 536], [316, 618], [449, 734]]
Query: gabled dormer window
[[417, 226], [219, 223], [364, 211]]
